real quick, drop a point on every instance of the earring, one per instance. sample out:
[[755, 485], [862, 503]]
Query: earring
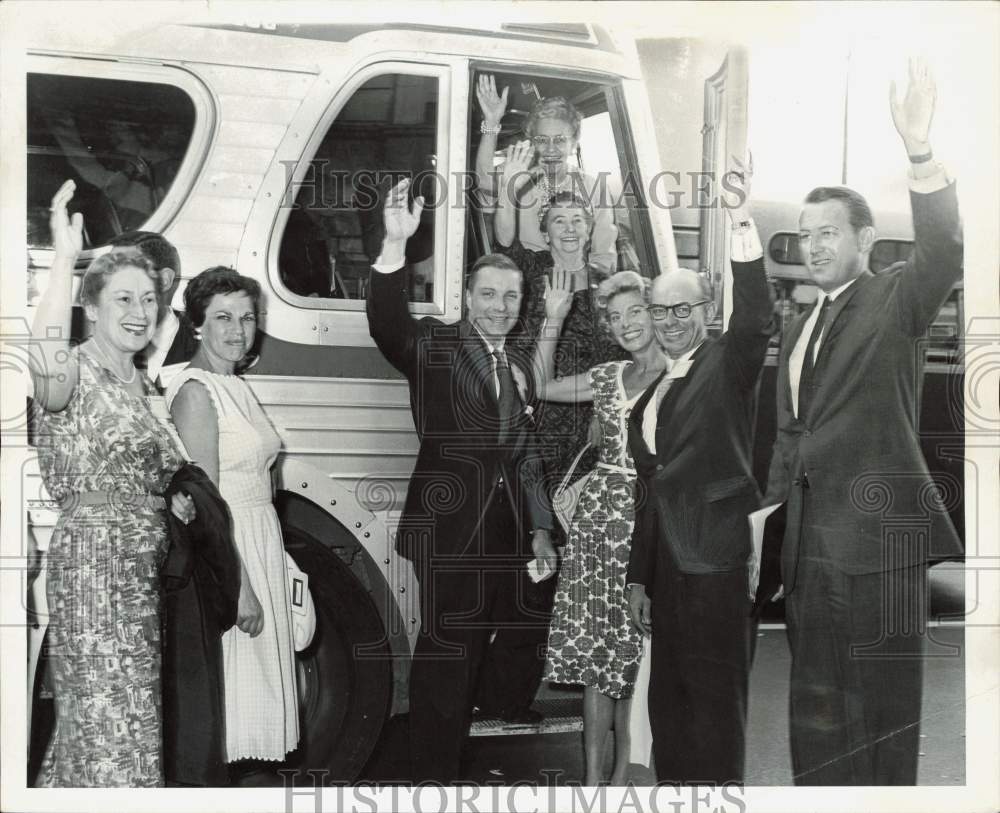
[[197, 335]]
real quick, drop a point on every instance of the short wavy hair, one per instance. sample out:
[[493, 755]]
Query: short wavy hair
[[621, 282], [554, 107], [95, 278], [567, 199], [217, 280]]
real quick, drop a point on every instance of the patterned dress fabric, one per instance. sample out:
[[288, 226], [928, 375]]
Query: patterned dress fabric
[[591, 640], [584, 342], [262, 719], [103, 583]]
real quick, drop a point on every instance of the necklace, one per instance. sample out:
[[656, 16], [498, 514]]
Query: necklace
[[108, 364], [546, 188]]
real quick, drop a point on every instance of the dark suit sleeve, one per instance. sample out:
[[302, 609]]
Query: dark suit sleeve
[[751, 323], [937, 260], [538, 507], [778, 478], [390, 324], [641, 560]]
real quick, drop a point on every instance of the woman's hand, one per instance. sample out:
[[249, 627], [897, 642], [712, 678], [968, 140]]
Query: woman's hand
[[182, 507], [559, 295], [492, 104], [249, 614], [67, 233], [516, 169]]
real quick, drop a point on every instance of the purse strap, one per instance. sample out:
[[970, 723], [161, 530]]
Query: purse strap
[[572, 468]]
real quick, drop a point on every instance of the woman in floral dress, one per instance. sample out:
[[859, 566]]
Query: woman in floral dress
[[591, 639], [107, 460]]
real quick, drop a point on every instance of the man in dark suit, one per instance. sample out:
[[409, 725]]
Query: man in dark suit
[[175, 340], [476, 496], [689, 435], [863, 517]]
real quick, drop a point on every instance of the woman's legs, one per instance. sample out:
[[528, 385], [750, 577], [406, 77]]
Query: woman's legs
[[622, 741], [598, 715]]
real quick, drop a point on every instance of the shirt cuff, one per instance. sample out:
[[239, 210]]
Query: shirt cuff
[[745, 244], [387, 268], [931, 183]]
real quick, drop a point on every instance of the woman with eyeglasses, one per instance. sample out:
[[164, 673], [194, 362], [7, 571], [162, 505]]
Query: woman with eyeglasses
[[591, 639], [553, 129]]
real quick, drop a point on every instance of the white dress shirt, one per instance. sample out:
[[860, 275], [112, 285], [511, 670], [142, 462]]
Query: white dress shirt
[[159, 345], [676, 368]]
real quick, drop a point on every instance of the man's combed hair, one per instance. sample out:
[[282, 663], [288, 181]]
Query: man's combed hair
[[501, 261], [154, 247], [859, 213]]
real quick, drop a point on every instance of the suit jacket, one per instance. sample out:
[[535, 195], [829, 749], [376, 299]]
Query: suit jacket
[[201, 590], [857, 450], [184, 345], [694, 494], [455, 410]]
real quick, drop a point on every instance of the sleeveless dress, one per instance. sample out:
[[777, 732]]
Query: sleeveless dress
[[262, 719], [103, 582], [591, 640]]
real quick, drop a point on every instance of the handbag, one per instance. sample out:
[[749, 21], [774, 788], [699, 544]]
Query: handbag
[[303, 611], [568, 493]]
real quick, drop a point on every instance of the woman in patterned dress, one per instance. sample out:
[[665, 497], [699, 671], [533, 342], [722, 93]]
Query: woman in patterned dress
[[237, 449], [591, 640], [106, 458]]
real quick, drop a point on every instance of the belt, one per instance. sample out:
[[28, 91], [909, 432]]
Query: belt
[[619, 469], [116, 499]]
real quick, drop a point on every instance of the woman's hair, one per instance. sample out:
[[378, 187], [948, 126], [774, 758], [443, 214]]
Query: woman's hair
[[569, 200], [622, 282], [217, 280], [554, 107], [97, 273]]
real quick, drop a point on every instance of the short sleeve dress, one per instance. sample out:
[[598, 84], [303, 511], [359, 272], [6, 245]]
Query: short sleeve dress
[[262, 720], [107, 460]]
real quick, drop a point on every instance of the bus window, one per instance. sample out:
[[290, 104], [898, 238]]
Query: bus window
[[386, 130], [603, 145], [122, 141]]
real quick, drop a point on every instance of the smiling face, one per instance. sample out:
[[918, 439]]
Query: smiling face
[[494, 301], [554, 143], [229, 329], [124, 316], [678, 336], [629, 321], [833, 252], [567, 229]]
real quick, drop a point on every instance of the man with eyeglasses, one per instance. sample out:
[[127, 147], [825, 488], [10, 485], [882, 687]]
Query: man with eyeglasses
[[688, 588], [863, 517]]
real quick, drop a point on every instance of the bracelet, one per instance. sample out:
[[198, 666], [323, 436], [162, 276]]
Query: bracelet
[[921, 159], [495, 130]]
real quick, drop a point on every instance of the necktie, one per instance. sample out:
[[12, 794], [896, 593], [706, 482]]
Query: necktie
[[507, 398], [807, 387]]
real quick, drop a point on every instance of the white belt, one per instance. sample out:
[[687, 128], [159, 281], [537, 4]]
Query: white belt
[[619, 469]]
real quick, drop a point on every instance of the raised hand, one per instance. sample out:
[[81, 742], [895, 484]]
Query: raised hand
[[559, 295], [401, 220], [912, 117], [738, 180], [67, 233], [492, 104], [516, 166]]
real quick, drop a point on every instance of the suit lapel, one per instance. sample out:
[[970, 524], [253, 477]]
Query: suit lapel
[[474, 357], [675, 390], [835, 324], [636, 415]]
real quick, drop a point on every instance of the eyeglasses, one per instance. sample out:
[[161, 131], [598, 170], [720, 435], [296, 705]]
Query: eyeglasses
[[541, 141], [682, 310]]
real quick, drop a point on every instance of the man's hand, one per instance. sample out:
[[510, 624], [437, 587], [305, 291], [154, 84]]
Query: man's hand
[[492, 104], [738, 179], [249, 614], [400, 221], [640, 608], [913, 115], [545, 552]]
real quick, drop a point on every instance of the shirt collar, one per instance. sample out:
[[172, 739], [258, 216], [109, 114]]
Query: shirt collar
[[671, 363], [490, 347], [166, 330], [832, 296]]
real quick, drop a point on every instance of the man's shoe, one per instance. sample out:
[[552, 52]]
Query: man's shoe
[[526, 716]]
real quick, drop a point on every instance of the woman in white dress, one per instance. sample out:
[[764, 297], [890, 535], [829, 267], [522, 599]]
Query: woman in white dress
[[237, 450]]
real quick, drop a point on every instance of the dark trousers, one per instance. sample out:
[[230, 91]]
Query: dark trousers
[[699, 675], [857, 673], [462, 600]]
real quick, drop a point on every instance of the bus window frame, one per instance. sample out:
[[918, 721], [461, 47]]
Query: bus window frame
[[441, 70], [161, 73]]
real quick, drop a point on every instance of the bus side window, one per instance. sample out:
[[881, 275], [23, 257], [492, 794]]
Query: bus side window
[[385, 131]]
